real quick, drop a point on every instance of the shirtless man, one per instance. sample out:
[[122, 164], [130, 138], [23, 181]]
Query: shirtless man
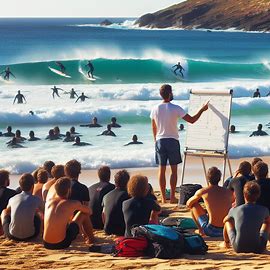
[[79, 143], [218, 201], [93, 124], [113, 123], [20, 98], [9, 132], [59, 213], [134, 141], [108, 132]]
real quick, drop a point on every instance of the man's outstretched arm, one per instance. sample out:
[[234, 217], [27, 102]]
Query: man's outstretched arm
[[192, 119]]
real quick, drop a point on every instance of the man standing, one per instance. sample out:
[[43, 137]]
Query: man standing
[[164, 125]]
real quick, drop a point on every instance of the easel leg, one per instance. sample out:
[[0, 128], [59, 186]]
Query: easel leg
[[204, 169], [224, 167], [230, 167], [183, 168]]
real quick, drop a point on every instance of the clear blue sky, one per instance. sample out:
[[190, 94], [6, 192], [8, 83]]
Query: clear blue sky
[[81, 8]]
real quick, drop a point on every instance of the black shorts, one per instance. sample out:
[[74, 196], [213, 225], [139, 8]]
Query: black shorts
[[168, 149], [7, 220], [71, 234]]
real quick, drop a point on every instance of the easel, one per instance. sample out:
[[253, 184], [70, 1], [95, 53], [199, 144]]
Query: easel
[[202, 153]]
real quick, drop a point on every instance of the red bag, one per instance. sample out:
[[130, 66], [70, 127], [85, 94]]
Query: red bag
[[130, 246]]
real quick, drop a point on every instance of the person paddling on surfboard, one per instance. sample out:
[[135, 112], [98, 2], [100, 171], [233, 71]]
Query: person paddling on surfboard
[[55, 91], [20, 98], [91, 69], [180, 68], [82, 97], [62, 67], [7, 74]]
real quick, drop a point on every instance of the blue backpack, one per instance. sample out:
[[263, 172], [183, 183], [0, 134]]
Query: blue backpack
[[166, 243]]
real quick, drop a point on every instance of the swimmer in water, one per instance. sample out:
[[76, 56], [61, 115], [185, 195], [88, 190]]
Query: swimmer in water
[[62, 67], [91, 69], [20, 98], [55, 91], [178, 67], [181, 127], [73, 131], [82, 97], [107, 132], [32, 137], [258, 132], [94, 124], [68, 137], [233, 129], [18, 137], [9, 132], [134, 141], [79, 143], [51, 136], [113, 123], [72, 94], [7, 74], [13, 144], [257, 93]]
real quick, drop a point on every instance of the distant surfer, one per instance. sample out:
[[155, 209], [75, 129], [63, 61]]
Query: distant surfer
[[134, 141], [258, 132], [178, 67], [73, 94], [82, 97], [91, 69], [55, 91], [7, 74], [108, 132], [79, 143], [257, 93], [20, 98], [113, 123], [32, 137], [93, 124], [61, 66]]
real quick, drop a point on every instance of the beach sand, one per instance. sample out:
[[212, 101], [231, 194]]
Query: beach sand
[[33, 256]]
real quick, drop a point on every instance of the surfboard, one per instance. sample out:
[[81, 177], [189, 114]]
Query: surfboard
[[58, 72], [86, 76]]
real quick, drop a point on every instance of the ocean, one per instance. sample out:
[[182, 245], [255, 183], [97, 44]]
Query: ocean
[[130, 65]]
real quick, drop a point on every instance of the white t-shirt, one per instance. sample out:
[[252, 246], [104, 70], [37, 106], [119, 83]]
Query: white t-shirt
[[166, 116]]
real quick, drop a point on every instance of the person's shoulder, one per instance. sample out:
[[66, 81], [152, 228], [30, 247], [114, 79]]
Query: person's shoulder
[[11, 192]]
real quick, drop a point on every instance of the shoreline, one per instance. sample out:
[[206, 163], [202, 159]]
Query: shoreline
[[194, 172]]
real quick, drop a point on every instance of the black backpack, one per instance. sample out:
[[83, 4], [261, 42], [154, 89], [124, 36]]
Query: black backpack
[[165, 242], [187, 191]]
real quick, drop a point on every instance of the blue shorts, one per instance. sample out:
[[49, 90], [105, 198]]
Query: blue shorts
[[209, 229], [168, 149]]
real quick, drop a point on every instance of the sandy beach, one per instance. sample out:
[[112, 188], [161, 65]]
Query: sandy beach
[[33, 256]]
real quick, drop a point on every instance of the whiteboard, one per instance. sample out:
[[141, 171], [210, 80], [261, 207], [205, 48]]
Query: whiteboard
[[211, 131]]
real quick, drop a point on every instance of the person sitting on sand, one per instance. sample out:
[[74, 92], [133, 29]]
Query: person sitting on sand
[[139, 210], [134, 141], [181, 127], [21, 219], [253, 163], [20, 98], [5, 193], [32, 137], [112, 214], [61, 226], [82, 97], [247, 226], [73, 131], [42, 178], [218, 201], [241, 177], [261, 177], [97, 193], [48, 165], [9, 132], [257, 93], [258, 132], [57, 172], [13, 144], [108, 132], [93, 124], [113, 123], [79, 143], [68, 137]]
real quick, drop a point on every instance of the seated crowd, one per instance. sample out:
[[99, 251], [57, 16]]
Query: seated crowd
[[53, 197]]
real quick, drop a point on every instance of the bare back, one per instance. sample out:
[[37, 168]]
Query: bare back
[[218, 202], [46, 187], [58, 214]]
